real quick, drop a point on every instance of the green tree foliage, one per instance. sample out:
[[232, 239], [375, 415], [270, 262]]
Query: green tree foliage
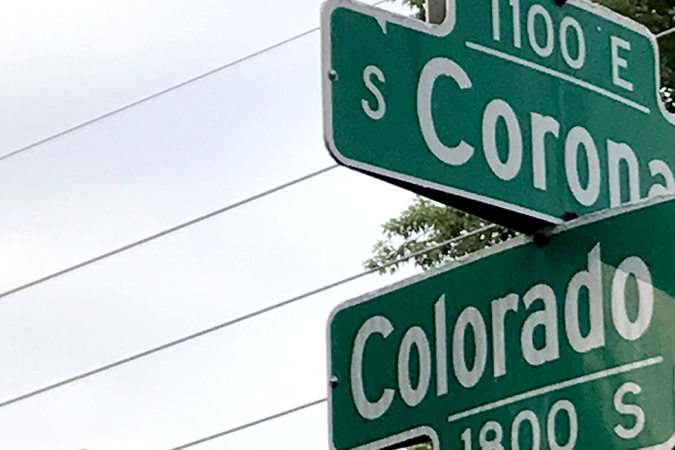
[[425, 224], [418, 8]]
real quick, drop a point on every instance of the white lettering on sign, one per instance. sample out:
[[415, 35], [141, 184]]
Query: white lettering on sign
[[568, 408], [545, 131], [455, 156], [617, 152], [576, 139], [500, 307], [441, 348], [629, 409], [368, 409], [466, 439], [529, 416], [494, 430], [535, 11], [661, 169], [570, 31], [540, 307], [593, 165], [632, 330], [414, 336], [618, 62], [495, 110], [546, 318], [515, 7], [537, 14], [541, 126], [497, 434], [378, 112], [469, 317], [566, 24], [590, 279]]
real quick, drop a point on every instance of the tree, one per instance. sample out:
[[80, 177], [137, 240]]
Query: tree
[[418, 8], [425, 224]]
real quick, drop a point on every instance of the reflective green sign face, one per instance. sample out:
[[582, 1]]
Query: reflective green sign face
[[522, 107], [570, 346]]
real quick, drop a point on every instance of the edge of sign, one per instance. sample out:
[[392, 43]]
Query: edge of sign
[[668, 445], [383, 17], [403, 437], [631, 24], [512, 243], [443, 29]]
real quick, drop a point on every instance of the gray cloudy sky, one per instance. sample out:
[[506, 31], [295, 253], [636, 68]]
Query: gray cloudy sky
[[194, 150]]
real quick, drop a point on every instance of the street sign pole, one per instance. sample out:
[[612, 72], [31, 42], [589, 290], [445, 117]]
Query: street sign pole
[[569, 346], [518, 111]]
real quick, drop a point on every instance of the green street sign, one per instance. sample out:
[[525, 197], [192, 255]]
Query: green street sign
[[518, 111], [569, 346]]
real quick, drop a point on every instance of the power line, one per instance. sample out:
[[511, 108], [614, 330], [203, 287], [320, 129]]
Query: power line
[[251, 424], [185, 224], [665, 33], [235, 321], [157, 94], [165, 91], [166, 232]]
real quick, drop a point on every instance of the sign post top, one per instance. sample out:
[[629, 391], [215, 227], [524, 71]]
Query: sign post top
[[517, 111]]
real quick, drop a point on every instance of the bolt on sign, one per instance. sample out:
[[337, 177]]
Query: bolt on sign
[[570, 346], [518, 111]]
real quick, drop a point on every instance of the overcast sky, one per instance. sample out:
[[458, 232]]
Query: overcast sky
[[230, 136]]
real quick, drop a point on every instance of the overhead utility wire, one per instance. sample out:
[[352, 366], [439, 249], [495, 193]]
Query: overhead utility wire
[[664, 33], [185, 224], [249, 425], [237, 320], [157, 94], [164, 91], [168, 231], [185, 83]]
